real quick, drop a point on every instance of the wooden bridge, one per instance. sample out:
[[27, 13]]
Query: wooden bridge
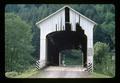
[[65, 29]]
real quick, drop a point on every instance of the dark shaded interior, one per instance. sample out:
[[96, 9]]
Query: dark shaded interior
[[61, 40]]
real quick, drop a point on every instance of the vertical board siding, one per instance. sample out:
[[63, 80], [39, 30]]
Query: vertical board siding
[[72, 20], [57, 23], [49, 26]]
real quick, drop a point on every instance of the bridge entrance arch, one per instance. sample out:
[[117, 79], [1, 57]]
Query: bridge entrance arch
[[62, 40]]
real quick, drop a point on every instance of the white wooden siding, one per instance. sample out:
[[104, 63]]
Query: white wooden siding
[[48, 25]]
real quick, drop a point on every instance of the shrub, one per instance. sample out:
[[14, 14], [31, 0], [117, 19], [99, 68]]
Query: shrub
[[103, 59], [11, 74]]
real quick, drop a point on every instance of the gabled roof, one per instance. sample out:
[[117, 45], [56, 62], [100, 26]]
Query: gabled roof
[[62, 9]]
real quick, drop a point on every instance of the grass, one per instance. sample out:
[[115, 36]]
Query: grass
[[25, 74], [98, 75]]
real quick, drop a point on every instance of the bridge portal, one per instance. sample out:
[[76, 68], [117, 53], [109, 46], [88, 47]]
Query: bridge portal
[[65, 29]]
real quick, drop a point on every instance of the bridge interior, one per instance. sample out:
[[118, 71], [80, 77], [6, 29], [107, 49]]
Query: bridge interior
[[62, 40]]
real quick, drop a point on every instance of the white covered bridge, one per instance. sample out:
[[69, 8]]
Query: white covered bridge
[[65, 29]]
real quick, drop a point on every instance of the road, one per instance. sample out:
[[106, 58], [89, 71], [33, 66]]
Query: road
[[62, 72]]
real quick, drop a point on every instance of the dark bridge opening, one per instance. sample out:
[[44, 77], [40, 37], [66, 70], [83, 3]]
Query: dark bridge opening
[[62, 40]]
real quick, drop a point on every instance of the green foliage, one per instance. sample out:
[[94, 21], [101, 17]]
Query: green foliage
[[72, 57], [99, 75], [18, 47], [106, 20], [101, 36], [100, 50], [103, 62], [11, 74], [25, 74]]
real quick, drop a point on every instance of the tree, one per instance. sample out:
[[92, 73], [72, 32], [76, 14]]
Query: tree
[[100, 50], [103, 59], [100, 35], [11, 8], [18, 47]]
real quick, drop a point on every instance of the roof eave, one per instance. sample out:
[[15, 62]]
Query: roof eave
[[83, 16], [50, 15], [60, 10]]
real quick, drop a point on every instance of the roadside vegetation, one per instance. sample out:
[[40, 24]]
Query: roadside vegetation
[[104, 61], [99, 75], [24, 74]]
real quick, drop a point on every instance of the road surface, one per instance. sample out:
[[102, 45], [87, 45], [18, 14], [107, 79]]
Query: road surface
[[62, 72]]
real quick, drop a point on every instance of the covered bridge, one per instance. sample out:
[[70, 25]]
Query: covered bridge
[[65, 29]]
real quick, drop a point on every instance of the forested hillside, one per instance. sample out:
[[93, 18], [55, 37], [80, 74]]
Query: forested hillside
[[22, 36]]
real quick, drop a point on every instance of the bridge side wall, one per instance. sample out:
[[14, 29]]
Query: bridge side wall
[[87, 26], [54, 23]]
